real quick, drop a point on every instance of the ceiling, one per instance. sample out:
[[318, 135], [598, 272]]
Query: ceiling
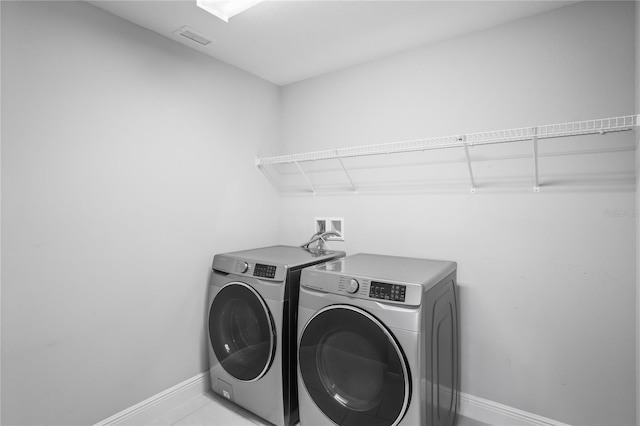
[[288, 41]]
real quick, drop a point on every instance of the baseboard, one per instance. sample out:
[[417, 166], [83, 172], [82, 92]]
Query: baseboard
[[153, 407], [495, 414], [473, 407]]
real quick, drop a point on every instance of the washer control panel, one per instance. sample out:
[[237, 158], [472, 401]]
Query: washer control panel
[[264, 271], [258, 270], [246, 267]]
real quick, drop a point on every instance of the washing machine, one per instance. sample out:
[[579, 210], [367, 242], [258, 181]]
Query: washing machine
[[378, 342], [253, 297]]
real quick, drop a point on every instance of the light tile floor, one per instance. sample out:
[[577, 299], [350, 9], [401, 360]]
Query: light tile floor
[[209, 409]]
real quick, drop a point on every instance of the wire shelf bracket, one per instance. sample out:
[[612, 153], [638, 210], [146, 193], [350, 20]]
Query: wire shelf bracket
[[304, 175], [466, 153], [346, 172], [534, 140]]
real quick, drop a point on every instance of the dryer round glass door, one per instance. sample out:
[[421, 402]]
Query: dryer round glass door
[[353, 368], [241, 331]]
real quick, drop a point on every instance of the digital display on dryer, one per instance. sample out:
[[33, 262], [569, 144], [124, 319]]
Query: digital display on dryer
[[265, 271], [385, 291]]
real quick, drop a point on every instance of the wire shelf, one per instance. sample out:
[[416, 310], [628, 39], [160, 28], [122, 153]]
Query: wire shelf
[[534, 133]]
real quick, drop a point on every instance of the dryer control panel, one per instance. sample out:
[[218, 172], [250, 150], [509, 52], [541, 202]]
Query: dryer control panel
[[362, 287], [386, 291], [378, 278]]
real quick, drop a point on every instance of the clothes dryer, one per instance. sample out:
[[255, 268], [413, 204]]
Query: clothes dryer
[[252, 325], [378, 342]]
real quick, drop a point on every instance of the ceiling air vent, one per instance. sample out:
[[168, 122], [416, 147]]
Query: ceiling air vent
[[193, 35]]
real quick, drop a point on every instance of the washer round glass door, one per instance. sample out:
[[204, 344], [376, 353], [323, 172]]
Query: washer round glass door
[[241, 331], [353, 368]]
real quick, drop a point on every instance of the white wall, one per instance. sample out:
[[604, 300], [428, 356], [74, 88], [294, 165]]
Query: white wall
[[127, 163], [637, 49], [547, 280], [0, 213]]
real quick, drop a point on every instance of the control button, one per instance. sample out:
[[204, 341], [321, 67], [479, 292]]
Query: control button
[[353, 286], [244, 267]]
